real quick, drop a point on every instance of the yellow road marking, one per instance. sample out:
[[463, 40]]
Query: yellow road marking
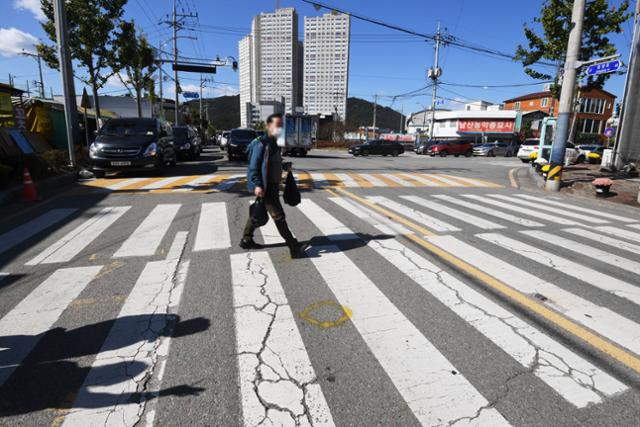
[[480, 182], [333, 180], [512, 178], [578, 331], [362, 182], [176, 184], [307, 314], [386, 180]]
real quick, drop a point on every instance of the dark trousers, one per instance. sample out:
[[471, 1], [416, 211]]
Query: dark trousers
[[274, 207]]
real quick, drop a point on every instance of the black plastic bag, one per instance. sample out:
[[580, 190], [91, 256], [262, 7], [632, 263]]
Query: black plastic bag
[[258, 213], [291, 193]]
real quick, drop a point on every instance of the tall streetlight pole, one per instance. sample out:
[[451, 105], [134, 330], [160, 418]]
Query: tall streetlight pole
[[566, 106], [66, 72], [175, 60]]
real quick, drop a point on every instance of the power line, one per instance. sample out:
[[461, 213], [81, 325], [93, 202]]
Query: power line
[[495, 86]]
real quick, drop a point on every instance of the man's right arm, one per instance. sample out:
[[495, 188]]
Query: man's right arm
[[255, 168]]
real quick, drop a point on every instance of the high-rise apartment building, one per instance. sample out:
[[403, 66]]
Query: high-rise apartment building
[[269, 64], [326, 64]]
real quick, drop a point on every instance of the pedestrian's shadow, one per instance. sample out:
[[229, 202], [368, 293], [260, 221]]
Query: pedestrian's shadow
[[340, 243], [59, 361]]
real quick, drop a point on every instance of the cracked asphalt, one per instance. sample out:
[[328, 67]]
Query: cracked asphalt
[[216, 337]]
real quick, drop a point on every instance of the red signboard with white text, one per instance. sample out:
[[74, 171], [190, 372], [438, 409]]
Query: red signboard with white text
[[485, 126]]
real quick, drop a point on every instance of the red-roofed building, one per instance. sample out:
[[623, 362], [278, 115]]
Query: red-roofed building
[[595, 108]]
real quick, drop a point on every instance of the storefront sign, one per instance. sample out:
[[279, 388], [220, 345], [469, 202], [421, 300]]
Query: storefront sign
[[485, 126]]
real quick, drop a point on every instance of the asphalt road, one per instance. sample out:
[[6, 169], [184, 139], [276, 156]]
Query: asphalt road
[[432, 293]]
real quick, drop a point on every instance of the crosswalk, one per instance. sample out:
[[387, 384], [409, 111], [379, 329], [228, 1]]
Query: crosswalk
[[565, 259], [306, 180]]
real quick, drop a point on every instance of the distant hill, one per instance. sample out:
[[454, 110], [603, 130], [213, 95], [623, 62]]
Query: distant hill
[[224, 113], [360, 113]]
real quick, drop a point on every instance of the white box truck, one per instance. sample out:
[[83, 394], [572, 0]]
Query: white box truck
[[298, 136]]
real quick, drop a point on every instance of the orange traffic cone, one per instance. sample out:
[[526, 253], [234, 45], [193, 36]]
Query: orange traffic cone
[[29, 193]]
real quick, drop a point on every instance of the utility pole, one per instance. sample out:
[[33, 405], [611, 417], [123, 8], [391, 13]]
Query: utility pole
[[175, 59], [375, 112], [66, 71], [401, 128], [434, 73], [39, 59], [566, 106], [627, 147], [202, 83]]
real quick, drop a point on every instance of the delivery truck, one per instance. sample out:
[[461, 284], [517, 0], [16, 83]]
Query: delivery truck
[[299, 134]]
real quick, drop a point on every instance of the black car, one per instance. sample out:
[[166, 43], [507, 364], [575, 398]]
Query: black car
[[187, 142], [238, 141], [377, 146], [132, 144]]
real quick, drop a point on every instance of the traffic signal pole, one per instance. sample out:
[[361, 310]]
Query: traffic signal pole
[[571, 65]]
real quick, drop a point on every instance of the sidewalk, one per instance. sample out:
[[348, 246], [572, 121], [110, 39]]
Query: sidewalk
[[577, 182]]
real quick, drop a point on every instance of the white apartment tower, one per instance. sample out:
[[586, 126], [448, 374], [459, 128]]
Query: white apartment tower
[[268, 63], [326, 64]]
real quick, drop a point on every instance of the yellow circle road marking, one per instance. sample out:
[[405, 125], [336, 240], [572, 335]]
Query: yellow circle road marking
[[307, 315]]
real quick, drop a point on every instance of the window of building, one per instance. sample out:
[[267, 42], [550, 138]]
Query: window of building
[[544, 102], [518, 105]]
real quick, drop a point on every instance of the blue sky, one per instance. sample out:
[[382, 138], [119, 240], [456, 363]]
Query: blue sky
[[382, 61]]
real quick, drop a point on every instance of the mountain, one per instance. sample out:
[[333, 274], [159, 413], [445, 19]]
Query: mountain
[[224, 113], [360, 113]]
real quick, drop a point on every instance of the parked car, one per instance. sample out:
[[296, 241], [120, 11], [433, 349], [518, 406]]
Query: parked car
[[493, 149], [132, 144], [238, 141], [224, 139], [526, 148], [423, 147], [377, 146], [585, 150], [186, 142], [454, 147], [570, 155]]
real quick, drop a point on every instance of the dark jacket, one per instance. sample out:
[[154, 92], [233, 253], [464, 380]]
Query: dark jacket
[[257, 172]]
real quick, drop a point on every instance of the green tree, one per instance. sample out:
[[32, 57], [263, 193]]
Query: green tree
[[135, 58], [91, 25], [600, 21]]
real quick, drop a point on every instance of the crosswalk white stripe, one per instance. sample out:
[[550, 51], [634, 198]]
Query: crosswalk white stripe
[[131, 350], [378, 221], [229, 182], [573, 377], [600, 319], [588, 275], [145, 239], [470, 181], [605, 240], [489, 211], [26, 323], [270, 234], [398, 180], [446, 180], [586, 250], [125, 183], [454, 213], [421, 218], [412, 363], [620, 232], [520, 209], [213, 228], [537, 206], [568, 206], [421, 179], [25, 231], [195, 183], [636, 226], [373, 180], [332, 227], [347, 180], [77, 239], [273, 363], [319, 180], [161, 183]]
